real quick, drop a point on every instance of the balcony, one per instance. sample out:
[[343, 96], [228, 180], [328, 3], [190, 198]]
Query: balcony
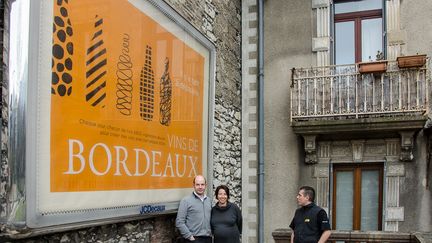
[[356, 101], [342, 92]]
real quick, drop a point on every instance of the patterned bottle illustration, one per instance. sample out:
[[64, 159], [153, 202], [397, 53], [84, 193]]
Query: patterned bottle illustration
[[165, 96], [62, 50], [124, 73], [96, 67], [147, 87]]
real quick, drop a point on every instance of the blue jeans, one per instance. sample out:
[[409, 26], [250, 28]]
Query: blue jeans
[[201, 239]]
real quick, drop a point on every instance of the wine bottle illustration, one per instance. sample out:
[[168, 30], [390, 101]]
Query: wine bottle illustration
[[147, 87], [165, 96], [96, 70], [62, 51]]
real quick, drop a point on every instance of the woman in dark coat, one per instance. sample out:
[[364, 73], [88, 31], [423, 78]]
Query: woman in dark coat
[[226, 219]]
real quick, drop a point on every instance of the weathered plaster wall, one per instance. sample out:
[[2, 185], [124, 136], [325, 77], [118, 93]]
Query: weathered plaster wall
[[219, 21], [416, 196], [416, 21], [287, 44]]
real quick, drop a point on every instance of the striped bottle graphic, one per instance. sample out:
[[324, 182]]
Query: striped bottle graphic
[[96, 70]]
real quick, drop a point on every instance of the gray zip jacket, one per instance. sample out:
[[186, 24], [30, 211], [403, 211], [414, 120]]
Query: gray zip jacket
[[193, 216]]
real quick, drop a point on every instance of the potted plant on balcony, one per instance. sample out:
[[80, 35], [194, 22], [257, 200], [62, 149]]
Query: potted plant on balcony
[[411, 61], [373, 67], [377, 66]]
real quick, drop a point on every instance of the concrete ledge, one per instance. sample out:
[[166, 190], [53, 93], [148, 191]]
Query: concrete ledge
[[320, 3], [322, 126], [425, 237], [320, 44], [284, 236], [397, 37]]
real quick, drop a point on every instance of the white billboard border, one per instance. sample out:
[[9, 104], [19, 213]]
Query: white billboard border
[[95, 216]]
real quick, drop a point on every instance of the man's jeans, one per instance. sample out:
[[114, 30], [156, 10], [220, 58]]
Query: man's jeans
[[201, 239]]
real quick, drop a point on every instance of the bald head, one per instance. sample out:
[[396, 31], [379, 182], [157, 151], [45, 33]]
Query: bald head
[[199, 185], [199, 177]]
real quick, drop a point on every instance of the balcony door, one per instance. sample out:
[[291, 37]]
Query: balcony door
[[357, 197], [358, 31]]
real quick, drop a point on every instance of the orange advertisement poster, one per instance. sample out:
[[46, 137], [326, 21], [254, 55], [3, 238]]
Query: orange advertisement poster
[[126, 101]]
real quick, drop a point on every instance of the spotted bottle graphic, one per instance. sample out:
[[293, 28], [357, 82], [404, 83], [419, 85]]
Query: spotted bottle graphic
[[62, 50]]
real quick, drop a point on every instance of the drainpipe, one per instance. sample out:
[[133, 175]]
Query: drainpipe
[[260, 121], [384, 4]]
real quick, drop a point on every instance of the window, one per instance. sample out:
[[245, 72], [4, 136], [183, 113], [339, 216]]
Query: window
[[357, 197], [358, 31]]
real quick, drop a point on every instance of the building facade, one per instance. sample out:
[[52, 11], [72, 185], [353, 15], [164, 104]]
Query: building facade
[[359, 136], [358, 133], [220, 23]]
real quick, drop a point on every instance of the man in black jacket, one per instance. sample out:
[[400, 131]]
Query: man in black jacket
[[310, 223]]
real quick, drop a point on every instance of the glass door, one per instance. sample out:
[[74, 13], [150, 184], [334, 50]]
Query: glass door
[[357, 197]]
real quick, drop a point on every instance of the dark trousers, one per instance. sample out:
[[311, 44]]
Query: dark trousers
[[201, 239]]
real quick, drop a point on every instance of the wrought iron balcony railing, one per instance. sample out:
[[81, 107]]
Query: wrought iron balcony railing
[[341, 91]]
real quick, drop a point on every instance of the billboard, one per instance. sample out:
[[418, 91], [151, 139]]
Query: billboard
[[122, 95]]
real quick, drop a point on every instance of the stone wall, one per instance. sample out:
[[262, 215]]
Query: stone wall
[[227, 147], [219, 21], [158, 229], [4, 167]]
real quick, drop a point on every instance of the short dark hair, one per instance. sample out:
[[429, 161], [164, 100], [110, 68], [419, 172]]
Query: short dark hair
[[308, 191], [225, 188]]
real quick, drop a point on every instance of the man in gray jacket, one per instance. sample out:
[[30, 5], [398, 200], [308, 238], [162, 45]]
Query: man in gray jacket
[[193, 216]]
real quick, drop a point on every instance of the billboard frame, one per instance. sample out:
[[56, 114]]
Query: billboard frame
[[28, 112]]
